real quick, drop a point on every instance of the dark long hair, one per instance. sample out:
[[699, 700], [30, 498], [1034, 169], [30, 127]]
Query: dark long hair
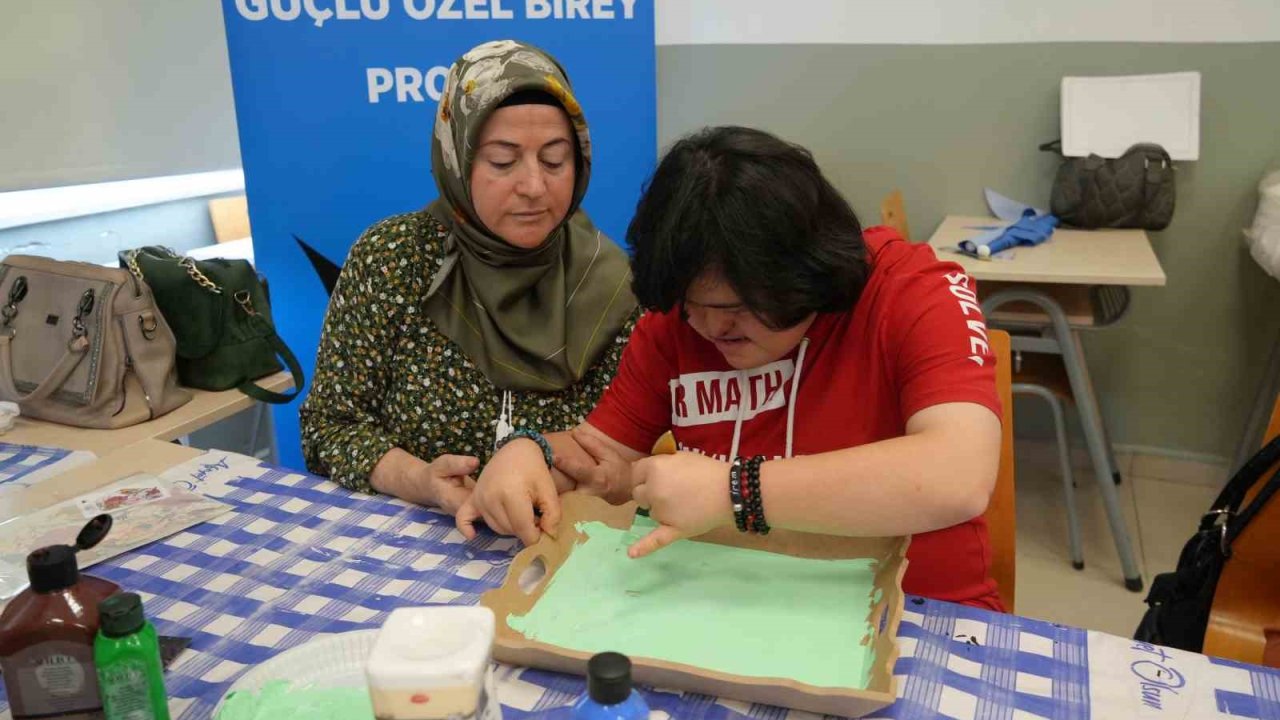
[[756, 209]]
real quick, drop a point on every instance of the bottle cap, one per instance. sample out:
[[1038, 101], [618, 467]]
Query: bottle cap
[[609, 678], [52, 568], [121, 614]]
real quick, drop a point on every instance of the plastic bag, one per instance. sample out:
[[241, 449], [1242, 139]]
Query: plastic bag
[[1263, 236]]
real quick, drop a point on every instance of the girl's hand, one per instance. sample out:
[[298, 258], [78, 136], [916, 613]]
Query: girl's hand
[[687, 494]]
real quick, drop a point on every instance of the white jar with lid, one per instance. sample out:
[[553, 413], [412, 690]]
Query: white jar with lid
[[433, 663]]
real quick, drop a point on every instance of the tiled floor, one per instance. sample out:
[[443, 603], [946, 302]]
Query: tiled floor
[[1162, 500]]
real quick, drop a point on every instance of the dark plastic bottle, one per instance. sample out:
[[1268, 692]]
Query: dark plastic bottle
[[46, 639], [610, 695]]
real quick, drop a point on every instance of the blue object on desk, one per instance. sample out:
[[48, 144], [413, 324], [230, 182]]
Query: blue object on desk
[[1030, 229], [1008, 209]]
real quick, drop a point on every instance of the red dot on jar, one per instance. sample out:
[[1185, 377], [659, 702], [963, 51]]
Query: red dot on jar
[[420, 698]]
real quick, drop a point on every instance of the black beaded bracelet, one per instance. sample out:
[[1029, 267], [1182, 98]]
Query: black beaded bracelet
[[533, 435], [755, 503], [735, 495]]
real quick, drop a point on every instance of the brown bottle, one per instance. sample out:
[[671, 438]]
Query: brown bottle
[[46, 638]]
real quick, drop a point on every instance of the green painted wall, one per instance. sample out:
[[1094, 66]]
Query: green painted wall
[[942, 122]]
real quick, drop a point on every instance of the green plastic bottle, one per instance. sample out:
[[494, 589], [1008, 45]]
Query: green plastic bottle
[[127, 654]]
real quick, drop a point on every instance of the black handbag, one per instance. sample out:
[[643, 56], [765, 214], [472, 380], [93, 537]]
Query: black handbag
[[220, 313], [1135, 190], [1179, 601]]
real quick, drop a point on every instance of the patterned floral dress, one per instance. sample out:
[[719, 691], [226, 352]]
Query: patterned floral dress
[[386, 377]]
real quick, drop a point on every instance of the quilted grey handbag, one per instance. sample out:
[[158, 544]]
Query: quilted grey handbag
[[1135, 190]]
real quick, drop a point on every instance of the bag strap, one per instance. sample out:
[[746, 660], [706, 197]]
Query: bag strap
[[1236, 525], [1151, 151], [76, 351], [251, 389], [186, 262], [1233, 493], [1053, 146]]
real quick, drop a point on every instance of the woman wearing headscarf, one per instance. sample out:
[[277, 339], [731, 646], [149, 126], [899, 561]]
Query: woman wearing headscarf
[[499, 307]]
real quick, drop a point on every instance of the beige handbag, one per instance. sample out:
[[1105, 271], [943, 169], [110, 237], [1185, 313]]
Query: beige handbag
[[84, 345]]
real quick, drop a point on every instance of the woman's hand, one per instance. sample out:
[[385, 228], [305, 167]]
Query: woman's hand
[[609, 477], [687, 494], [444, 483], [514, 484]]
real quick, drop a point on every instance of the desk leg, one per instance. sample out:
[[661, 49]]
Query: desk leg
[[1066, 341], [255, 429], [1064, 458], [1096, 437], [1093, 398]]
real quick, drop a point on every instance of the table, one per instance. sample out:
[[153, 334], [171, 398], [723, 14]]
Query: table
[[205, 409], [22, 466], [149, 456], [1081, 257], [300, 556], [1048, 288]]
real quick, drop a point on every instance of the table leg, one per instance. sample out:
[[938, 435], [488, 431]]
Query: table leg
[[1064, 459], [1068, 345], [1093, 397], [255, 428], [1095, 436]]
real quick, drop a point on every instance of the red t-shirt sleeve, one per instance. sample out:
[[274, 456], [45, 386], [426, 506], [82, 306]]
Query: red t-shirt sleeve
[[938, 339], [636, 407]]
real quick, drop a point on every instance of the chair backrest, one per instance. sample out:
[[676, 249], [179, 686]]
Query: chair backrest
[[893, 213], [666, 445], [1246, 604], [230, 216], [1002, 523]]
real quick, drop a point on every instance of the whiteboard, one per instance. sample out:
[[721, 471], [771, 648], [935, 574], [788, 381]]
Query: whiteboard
[[1106, 115]]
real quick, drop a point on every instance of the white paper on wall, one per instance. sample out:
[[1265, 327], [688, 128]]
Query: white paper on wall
[[1107, 115]]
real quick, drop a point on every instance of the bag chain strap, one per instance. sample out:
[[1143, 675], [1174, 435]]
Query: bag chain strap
[[16, 294], [78, 330], [188, 263]]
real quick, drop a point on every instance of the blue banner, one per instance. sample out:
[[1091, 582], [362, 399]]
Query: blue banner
[[335, 101]]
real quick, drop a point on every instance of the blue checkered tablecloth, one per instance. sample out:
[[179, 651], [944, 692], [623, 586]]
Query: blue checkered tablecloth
[[300, 556], [23, 465]]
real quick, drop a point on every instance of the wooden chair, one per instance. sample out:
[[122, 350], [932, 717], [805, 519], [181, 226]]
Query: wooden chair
[[893, 213], [230, 216], [1244, 622], [666, 445], [1002, 524]]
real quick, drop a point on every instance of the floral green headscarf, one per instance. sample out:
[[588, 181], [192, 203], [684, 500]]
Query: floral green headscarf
[[530, 319]]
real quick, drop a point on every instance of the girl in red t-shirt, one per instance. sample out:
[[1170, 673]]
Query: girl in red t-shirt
[[815, 377]]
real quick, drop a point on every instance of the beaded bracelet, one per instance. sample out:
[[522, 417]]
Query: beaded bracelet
[[533, 435], [735, 495], [744, 495], [755, 502]]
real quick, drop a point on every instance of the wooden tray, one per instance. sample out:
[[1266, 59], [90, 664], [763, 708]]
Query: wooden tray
[[514, 648]]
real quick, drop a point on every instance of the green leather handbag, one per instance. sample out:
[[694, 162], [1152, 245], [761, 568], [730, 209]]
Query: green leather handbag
[[220, 314]]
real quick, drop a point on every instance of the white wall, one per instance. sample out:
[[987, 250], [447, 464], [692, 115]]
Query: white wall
[[96, 90], [896, 22]]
